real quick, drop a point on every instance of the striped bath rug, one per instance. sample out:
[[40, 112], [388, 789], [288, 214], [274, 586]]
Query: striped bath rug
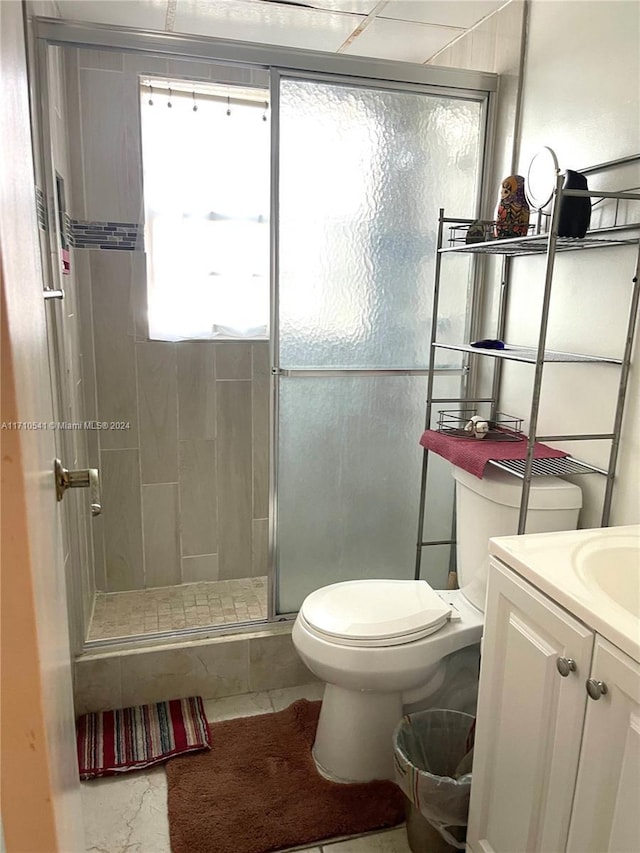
[[111, 742]]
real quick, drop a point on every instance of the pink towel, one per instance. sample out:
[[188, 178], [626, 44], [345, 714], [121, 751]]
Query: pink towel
[[473, 454]]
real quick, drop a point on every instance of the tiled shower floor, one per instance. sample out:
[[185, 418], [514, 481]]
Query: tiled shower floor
[[170, 608]]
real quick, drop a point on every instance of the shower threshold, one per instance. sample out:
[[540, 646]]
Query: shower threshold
[[205, 604]]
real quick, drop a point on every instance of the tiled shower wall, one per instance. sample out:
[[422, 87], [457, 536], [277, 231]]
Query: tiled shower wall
[[185, 481]]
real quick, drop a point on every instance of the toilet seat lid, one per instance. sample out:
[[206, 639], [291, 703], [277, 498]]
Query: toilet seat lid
[[375, 612]]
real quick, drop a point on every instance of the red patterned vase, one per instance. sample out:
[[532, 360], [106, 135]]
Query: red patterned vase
[[512, 216]]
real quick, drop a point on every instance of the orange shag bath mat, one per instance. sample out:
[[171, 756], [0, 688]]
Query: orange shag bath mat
[[257, 790]]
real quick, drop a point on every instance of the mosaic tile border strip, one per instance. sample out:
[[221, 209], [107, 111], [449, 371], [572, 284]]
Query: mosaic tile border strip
[[105, 235]]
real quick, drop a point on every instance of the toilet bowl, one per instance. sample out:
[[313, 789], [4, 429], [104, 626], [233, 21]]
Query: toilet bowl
[[367, 677], [379, 644]]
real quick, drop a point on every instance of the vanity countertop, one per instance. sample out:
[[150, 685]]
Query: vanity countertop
[[594, 574]]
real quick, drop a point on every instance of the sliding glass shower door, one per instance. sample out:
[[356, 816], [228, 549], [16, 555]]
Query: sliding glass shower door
[[361, 174]]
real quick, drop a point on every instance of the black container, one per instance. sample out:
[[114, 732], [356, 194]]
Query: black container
[[575, 213]]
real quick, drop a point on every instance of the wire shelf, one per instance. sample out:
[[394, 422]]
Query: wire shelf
[[535, 244], [558, 467], [529, 355]]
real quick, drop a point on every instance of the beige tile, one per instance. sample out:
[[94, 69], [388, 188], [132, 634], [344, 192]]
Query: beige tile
[[233, 361], [260, 396], [285, 696], [200, 568], [158, 409], [260, 547], [391, 841], [274, 663], [97, 685], [161, 535], [114, 348], [122, 519], [230, 707], [196, 390], [216, 669], [198, 496], [233, 457], [127, 812], [110, 132]]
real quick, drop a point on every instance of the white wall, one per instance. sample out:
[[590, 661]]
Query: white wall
[[581, 97]]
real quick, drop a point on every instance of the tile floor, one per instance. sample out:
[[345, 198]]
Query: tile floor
[[129, 814], [192, 605]]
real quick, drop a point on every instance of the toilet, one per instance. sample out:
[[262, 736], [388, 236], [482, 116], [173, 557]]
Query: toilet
[[377, 644]]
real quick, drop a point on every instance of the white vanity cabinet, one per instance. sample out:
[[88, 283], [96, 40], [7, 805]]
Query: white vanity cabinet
[[540, 739]]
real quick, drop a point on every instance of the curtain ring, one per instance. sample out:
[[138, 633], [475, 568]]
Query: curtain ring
[[169, 104], [150, 101], [195, 106], [266, 107], [228, 105]]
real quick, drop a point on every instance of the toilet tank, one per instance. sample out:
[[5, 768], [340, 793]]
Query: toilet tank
[[490, 507]]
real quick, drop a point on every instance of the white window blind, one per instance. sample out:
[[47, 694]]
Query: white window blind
[[206, 197]]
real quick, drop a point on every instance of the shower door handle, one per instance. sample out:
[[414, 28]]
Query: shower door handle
[[84, 478]]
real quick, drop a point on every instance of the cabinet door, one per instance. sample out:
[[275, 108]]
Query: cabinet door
[[606, 810], [529, 720]]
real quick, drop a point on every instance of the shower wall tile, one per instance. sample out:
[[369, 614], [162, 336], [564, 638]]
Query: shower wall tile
[[110, 132], [161, 535], [260, 414], [114, 347], [208, 670], [274, 663], [108, 60], [259, 547], [196, 390], [158, 408], [139, 295], [140, 64], [233, 457], [202, 568], [198, 498], [233, 361], [97, 685], [122, 515]]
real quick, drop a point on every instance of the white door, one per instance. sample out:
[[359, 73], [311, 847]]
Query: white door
[[529, 720], [607, 800], [41, 805]]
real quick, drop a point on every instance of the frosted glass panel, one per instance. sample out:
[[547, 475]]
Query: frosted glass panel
[[363, 173], [349, 482]]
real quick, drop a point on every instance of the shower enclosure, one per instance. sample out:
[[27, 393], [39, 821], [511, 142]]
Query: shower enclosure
[[304, 458]]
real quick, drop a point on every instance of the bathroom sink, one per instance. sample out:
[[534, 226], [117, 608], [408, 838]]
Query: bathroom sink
[[593, 574], [612, 564]]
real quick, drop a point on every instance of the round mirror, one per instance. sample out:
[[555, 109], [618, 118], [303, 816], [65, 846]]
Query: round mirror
[[541, 178]]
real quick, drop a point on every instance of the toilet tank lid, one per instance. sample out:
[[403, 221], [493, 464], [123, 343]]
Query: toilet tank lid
[[374, 609], [506, 489]]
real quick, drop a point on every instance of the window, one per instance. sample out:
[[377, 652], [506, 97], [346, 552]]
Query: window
[[206, 165]]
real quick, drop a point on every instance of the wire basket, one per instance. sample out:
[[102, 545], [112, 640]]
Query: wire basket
[[480, 231], [455, 422]]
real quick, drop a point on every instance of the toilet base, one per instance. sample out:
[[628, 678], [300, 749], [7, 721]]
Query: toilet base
[[354, 739]]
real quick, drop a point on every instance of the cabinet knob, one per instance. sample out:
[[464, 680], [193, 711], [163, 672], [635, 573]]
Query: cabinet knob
[[596, 689], [565, 666]]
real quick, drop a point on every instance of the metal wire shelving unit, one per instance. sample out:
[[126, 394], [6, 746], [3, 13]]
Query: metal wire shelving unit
[[549, 244]]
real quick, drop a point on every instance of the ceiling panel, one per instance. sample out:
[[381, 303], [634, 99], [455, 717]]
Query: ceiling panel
[[406, 42], [266, 23], [449, 13], [142, 14]]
